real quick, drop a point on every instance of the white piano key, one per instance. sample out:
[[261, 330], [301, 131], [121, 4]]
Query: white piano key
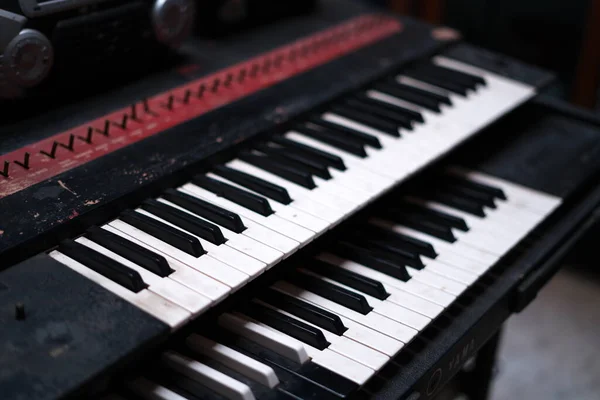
[[377, 322], [165, 287], [228, 255], [318, 195], [149, 390], [270, 255], [207, 376], [423, 291], [234, 360], [157, 306], [275, 341], [450, 272], [273, 222], [397, 296], [205, 264], [286, 211], [341, 365], [195, 280], [432, 279], [386, 308]]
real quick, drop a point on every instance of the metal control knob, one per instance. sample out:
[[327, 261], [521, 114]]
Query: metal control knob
[[28, 58], [173, 20]]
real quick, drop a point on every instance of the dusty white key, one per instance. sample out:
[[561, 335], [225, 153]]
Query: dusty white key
[[272, 222], [426, 292], [165, 287], [518, 195], [149, 390], [456, 274], [352, 349], [238, 260], [205, 264], [270, 255], [402, 298], [341, 365], [286, 211], [157, 306], [296, 191], [388, 309], [234, 360], [430, 278], [438, 244], [207, 376], [195, 280], [278, 342], [378, 322]]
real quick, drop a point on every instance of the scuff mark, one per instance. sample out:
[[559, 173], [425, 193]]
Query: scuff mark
[[62, 185], [1, 232], [91, 202], [73, 214], [36, 215]]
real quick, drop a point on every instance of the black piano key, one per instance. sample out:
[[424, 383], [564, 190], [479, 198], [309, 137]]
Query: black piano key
[[211, 212], [458, 202], [135, 253], [482, 198], [106, 266], [258, 185], [440, 98], [398, 118], [173, 236], [374, 121], [418, 222], [315, 154], [397, 239], [337, 294], [343, 131], [307, 165], [484, 188], [431, 78], [306, 311], [185, 221], [466, 80], [370, 259], [405, 94], [284, 171], [248, 200], [351, 279], [400, 253], [288, 325], [438, 216], [343, 143], [307, 381], [411, 114]]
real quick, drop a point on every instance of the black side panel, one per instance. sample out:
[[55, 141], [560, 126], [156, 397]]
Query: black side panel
[[72, 330]]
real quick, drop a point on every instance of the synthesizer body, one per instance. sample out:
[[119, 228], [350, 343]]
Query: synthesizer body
[[237, 132]]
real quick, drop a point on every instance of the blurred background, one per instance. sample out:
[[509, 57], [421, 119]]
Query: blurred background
[[550, 351]]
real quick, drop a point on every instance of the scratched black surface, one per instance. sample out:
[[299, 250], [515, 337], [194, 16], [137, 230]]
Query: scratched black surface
[[73, 330], [40, 215]]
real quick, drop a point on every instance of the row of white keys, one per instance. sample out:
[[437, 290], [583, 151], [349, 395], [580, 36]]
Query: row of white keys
[[279, 247], [184, 274], [328, 358], [388, 309], [170, 289], [378, 322], [414, 287], [228, 255], [341, 207], [206, 264], [275, 224], [286, 211], [157, 306], [343, 345]]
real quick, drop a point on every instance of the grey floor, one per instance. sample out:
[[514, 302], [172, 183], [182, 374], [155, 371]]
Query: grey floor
[[551, 351]]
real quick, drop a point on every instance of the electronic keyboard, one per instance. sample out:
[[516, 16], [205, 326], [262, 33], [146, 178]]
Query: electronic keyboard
[[349, 211]]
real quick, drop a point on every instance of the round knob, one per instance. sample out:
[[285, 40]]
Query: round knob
[[28, 58], [173, 20]]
